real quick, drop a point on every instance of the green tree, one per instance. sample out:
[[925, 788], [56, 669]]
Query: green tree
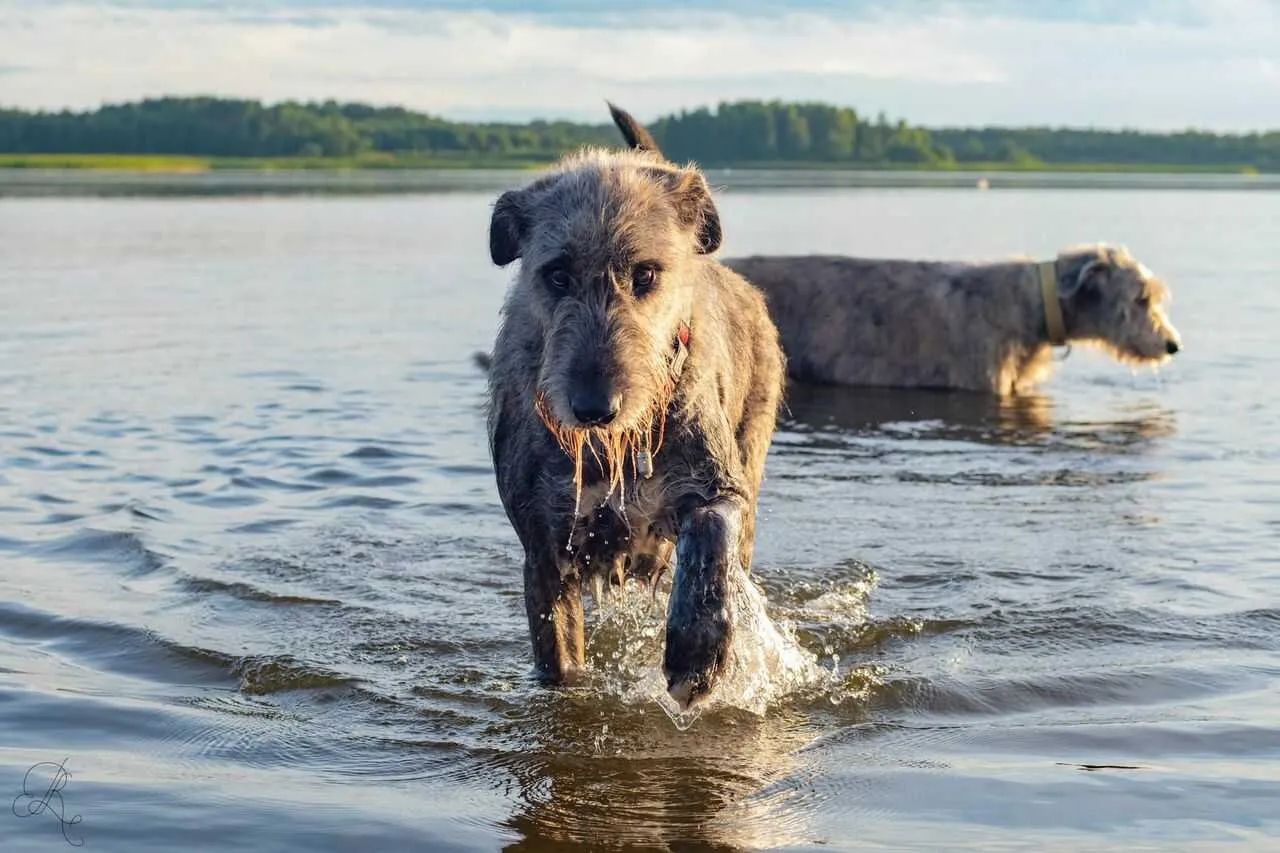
[[731, 133]]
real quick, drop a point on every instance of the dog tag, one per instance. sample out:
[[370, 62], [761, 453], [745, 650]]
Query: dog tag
[[644, 461], [677, 361]]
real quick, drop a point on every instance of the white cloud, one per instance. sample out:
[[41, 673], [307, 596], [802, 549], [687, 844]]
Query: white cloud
[[948, 68]]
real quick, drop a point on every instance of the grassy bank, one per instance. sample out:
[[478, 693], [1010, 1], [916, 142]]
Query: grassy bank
[[1115, 168], [183, 164], [114, 162]]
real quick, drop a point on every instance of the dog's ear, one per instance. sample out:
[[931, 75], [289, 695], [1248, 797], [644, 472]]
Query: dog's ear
[[633, 132], [696, 209], [1086, 283], [506, 228]]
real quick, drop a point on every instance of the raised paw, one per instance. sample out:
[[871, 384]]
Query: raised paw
[[700, 613]]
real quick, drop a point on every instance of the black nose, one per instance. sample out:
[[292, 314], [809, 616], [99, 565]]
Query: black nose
[[594, 408], [1171, 347]]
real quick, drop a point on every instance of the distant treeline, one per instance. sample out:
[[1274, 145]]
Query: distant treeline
[[1126, 147], [743, 133], [754, 131], [759, 132], [218, 127]]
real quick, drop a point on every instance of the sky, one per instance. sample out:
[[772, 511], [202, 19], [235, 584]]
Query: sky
[[1147, 64]]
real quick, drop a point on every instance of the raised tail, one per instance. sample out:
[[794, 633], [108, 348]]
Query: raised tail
[[633, 131]]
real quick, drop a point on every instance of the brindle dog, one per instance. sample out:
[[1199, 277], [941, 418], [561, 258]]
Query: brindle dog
[[634, 387]]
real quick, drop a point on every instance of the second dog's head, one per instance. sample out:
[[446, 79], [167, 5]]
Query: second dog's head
[[611, 247], [1116, 302]]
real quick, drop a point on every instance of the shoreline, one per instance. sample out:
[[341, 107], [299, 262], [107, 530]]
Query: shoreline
[[49, 181], [185, 164]]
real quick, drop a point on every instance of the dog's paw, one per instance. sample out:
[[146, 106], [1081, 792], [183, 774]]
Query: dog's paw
[[558, 673], [696, 656]]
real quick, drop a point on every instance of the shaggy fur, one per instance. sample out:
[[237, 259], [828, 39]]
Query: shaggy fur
[[589, 379], [973, 326]]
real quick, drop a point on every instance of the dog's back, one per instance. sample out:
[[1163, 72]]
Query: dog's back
[[986, 326], [873, 322]]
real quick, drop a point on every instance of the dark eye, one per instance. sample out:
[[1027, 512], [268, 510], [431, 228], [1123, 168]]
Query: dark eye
[[643, 279], [1144, 301], [559, 279]]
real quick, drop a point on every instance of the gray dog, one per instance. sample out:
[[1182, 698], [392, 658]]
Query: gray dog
[[634, 389], [976, 326]]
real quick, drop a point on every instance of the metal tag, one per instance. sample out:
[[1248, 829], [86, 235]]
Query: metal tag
[[677, 362]]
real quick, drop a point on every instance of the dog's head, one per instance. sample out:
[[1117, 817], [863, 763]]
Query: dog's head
[[611, 248], [1115, 301]]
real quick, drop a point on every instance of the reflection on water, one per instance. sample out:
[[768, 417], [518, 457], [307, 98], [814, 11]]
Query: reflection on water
[[608, 772], [1028, 420]]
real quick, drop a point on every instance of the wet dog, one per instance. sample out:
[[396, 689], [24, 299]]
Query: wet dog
[[634, 389], [984, 327]]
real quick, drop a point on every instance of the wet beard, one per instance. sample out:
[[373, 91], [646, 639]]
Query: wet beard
[[610, 448]]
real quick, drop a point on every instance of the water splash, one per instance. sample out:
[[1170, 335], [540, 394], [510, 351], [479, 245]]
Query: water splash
[[767, 662]]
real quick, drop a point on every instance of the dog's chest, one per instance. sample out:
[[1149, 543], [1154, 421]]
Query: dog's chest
[[612, 525]]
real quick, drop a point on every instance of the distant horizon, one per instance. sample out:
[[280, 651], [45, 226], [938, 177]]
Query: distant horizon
[[604, 120], [1155, 66]]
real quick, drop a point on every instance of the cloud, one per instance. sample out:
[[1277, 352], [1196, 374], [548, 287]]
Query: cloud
[[1209, 64], [573, 11]]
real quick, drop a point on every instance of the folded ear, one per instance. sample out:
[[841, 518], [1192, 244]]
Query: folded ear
[[506, 228], [633, 132], [696, 209], [1086, 282]]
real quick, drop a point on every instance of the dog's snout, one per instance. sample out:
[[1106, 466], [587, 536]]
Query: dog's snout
[[1171, 346], [594, 407]]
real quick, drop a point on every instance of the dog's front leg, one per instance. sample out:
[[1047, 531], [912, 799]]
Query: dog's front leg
[[700, 613], [554, 604]]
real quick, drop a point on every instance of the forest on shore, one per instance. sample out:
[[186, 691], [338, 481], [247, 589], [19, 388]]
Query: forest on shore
[[743, 134]]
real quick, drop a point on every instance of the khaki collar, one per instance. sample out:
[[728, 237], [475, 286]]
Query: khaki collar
[[1052, 307]]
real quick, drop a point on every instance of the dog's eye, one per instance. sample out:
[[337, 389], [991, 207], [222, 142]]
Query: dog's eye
[[1144, 301], [559, 279], [643, 279]]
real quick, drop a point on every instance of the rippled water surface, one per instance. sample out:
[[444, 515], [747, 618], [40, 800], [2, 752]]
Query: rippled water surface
[[258, 592]]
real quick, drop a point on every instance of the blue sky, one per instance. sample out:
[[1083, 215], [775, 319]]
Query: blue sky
[[1155, 64]]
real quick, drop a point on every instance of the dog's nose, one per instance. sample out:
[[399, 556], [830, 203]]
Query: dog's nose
[[1171, 346], [594, 408]]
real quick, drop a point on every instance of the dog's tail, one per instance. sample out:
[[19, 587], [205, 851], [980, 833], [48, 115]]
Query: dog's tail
[[633, 131], [483, 360]]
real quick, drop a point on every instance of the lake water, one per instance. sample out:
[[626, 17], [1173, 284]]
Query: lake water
[[258, 593]]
